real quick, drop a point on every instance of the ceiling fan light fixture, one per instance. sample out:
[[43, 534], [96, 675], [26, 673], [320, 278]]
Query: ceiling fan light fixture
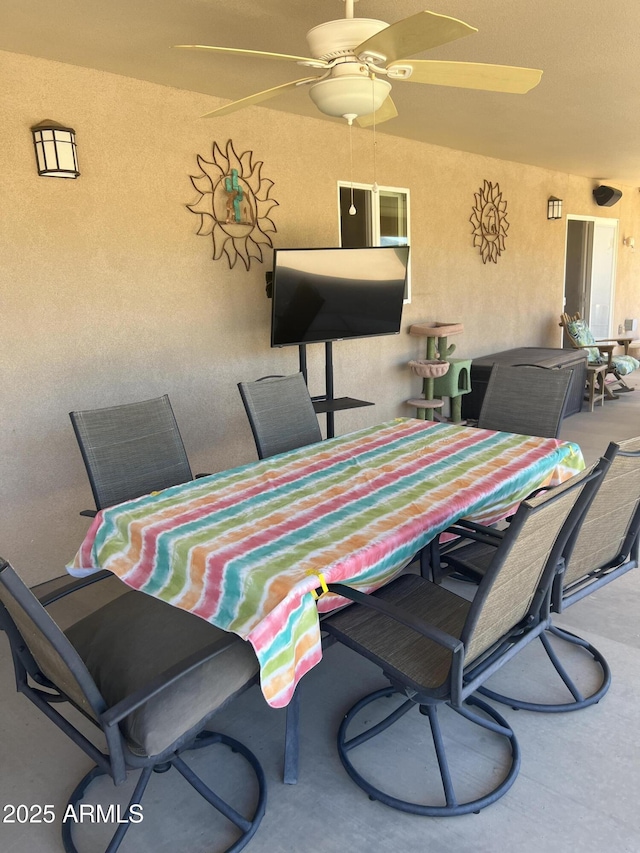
[[354, 52], [353, 94]]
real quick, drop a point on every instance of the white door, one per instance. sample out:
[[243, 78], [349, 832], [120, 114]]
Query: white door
[[590, 270], [603, 269]]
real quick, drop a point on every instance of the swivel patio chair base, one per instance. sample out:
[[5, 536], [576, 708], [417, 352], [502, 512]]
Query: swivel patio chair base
[[578, 700], [246, 825], [493, 722]]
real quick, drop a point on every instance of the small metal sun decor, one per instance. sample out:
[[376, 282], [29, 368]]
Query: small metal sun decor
[[489, 220], [233, 205]]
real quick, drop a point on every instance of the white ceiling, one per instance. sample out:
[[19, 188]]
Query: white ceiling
[[583, 118]]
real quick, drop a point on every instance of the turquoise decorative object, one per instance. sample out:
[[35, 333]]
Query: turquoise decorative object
[[235, 196], [583, 335]]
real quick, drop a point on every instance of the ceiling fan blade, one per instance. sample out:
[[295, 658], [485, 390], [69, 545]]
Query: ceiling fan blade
[[316, 63], [413, 35], [258, 97], [387, 111], [475, 75]]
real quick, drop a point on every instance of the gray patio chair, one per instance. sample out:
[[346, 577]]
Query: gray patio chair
[[148, 676], [280, 413], [525, 399], [130, 450], [436, 648], [603, 547]]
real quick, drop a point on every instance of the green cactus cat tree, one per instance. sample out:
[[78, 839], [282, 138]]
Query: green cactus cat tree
[[441, 375]]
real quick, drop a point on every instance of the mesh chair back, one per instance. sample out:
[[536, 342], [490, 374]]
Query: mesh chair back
[[611, 523], [521, 572], [40, 646], [281, 413], [131, 450], [525, 399]]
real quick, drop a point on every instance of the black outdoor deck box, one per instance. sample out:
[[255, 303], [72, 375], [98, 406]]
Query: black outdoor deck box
[[570, 359]]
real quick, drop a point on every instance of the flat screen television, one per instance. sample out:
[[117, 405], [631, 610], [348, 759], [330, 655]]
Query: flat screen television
[[336, 294]]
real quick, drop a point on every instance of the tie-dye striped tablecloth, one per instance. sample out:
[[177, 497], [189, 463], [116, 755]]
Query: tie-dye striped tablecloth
[[243, 548]]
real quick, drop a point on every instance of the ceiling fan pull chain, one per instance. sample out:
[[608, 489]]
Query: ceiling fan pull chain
[[374, 188], [352, 209]]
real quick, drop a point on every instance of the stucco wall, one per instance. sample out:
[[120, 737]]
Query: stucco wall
[[108, 296]]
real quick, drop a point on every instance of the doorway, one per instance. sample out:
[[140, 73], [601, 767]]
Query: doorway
[[590, 271]]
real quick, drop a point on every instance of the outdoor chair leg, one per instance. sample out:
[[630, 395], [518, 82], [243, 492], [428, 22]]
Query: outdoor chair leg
[[488, 719], [78, 794], [623, 385], [578, 700], [247, 826], [445, 774]]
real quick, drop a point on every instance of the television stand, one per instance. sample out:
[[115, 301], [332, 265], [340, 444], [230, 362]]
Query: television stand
[[327, 404]]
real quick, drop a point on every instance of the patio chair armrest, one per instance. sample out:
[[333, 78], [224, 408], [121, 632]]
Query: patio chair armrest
[[447, 641], [199, 476], [532, 494], [462, 529], [47, 596], [485, 529], [89, 513], [608, 350], [477, 532]]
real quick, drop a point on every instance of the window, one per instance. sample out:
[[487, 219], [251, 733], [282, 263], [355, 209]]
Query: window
[[381, 218]]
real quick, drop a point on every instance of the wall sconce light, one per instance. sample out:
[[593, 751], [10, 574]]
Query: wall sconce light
[[629, 242], [55, 146], [554, 208]]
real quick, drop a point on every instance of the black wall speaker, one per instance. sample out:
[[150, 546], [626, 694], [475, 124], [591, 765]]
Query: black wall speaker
[[606, 196]]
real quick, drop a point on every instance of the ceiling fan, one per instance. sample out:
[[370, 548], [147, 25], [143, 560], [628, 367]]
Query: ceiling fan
[[357, 57]]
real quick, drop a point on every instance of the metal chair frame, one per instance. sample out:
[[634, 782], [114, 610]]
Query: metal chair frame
[[119, 758], [563, 594], [465, 677]]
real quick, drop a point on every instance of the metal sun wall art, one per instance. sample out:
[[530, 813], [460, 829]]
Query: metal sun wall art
[[233, 205], [489, 220]]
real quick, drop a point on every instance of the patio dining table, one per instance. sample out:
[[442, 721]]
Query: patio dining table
[[247, 548]]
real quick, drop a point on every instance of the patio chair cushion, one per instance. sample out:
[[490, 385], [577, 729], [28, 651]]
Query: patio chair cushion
[[625, 364], [583, 336], [135, 638]]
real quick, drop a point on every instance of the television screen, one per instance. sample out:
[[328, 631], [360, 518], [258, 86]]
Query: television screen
[[333, 294]]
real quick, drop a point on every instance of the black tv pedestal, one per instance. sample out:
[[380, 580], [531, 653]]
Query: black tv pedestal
[[328, 404]]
